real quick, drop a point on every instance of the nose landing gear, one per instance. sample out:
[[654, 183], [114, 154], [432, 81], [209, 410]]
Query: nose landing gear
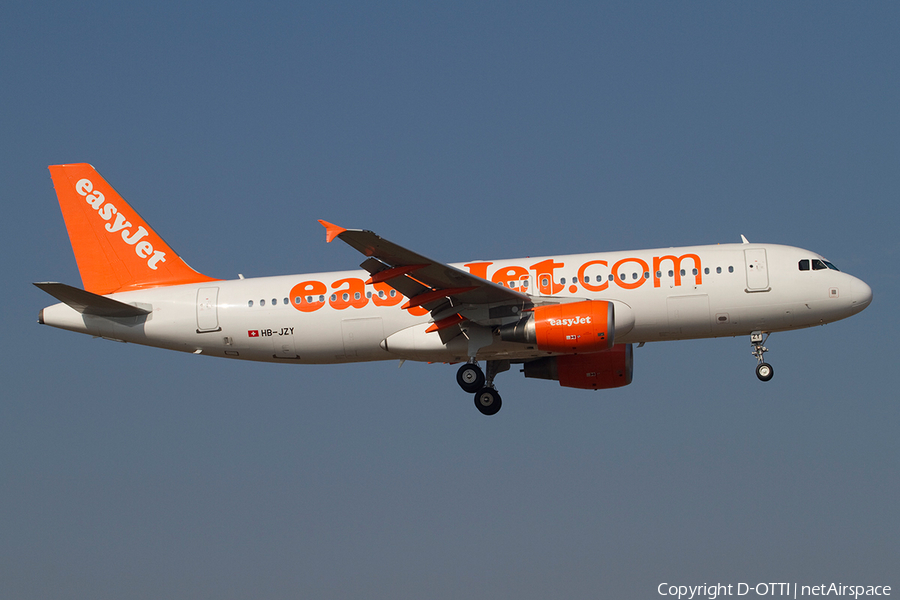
[[471, 378], [764, 370]]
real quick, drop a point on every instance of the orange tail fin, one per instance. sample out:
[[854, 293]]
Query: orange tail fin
[[114, 247]]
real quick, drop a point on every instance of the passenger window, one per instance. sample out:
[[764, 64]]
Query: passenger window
[[393, 293], [646, 274], [718, 269], [671, 273], [334, 297], [322, 298], [345, 296], [587, 279], [356, 296], [731, 269], [599, 278], [545, 282], [611, 276], [380, 294], [682, 272], [658, 274], [368, 294], [287, 301], [562, 280], [634, 276], [706, 271], [622, 276], [694, 271], [262, 302], [804, 264], [274, 301], [250, 303]]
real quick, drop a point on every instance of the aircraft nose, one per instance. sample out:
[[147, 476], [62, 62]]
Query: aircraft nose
[[861, 295]]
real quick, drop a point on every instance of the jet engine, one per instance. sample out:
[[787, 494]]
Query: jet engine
[[576, 327], [596, 371]]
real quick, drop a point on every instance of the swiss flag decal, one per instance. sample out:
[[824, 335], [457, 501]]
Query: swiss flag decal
[[253, 333]]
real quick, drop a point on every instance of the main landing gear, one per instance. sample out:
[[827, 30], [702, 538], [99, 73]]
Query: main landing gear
[[487, 400], [763, 369], [471, 379]]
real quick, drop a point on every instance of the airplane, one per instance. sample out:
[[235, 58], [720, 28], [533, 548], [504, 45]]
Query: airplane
[[574, 319]]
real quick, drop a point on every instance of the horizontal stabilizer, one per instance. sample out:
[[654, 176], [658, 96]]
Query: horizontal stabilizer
[[90, 304]]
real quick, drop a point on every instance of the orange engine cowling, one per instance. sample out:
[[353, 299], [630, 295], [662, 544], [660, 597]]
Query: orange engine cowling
[[597, 371], [576, 327]]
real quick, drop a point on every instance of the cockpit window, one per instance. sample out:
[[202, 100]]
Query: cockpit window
[[804, 264], [831, 266], [818, 265]]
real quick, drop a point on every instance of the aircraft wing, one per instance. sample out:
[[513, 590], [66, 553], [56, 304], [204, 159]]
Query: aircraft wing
[[433, 285]]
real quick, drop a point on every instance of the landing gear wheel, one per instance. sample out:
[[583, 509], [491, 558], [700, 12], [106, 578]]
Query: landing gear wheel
[[470, 377], [764, 371], [487, 401]]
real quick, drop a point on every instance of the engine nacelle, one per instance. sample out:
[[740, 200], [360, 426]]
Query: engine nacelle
[[576, 327], [597, 371]]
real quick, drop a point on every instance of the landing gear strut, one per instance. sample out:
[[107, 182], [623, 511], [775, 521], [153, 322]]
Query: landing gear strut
[[471, 378], [763, 369]]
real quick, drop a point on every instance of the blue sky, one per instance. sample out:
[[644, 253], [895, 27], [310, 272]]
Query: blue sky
[[463, 131]]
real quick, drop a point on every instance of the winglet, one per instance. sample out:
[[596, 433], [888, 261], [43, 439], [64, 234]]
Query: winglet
[[331, 230], [743, 239]]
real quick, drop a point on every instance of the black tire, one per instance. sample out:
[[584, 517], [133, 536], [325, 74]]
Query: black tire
[[487, 401], [764, 371], [470, 378]]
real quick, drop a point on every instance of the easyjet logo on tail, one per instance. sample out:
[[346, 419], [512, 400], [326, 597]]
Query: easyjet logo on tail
[[107, 210]]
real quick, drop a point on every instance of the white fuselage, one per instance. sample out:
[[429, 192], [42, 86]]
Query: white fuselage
[[664, 294]]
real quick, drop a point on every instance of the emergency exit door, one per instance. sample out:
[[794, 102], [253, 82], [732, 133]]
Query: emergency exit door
[[207, 310]]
